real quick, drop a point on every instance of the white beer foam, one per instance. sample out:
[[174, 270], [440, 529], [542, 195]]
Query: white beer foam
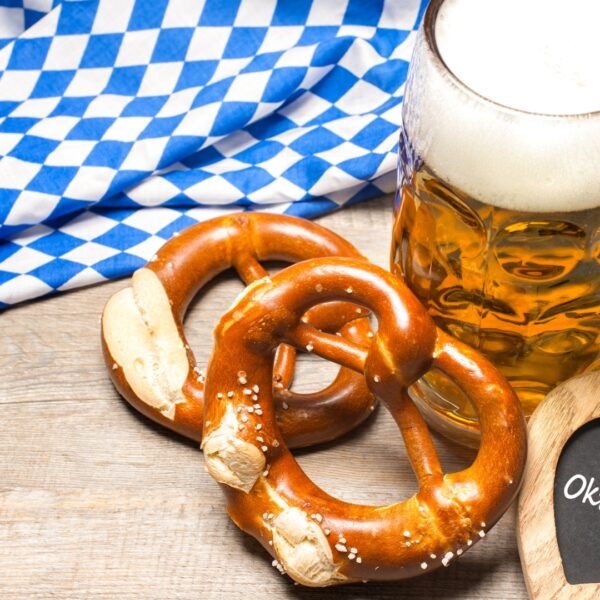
[[527, 55], [534, 55]]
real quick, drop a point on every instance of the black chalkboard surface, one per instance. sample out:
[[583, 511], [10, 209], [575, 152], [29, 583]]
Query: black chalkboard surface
[[577, 505]]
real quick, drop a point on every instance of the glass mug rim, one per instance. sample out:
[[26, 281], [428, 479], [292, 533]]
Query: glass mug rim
[[429, 22]]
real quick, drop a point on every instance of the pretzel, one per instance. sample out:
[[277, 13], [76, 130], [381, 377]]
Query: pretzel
[[152, 365], [315, 538]]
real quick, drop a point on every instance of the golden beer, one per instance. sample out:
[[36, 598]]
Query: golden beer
[[524, 288], [497, 225]]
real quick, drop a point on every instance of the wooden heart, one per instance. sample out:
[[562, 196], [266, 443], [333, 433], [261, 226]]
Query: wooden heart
[[564, 411], [576, 505]]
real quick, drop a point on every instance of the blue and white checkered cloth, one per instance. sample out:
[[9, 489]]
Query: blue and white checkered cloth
[[124, 121]]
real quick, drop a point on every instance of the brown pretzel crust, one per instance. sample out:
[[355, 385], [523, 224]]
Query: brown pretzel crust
[[317, 539], [178, 271]]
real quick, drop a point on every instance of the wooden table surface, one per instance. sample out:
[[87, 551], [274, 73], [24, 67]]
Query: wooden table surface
[[98, 502]]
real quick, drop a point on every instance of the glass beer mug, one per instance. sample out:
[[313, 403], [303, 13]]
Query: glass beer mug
[[497, 224]]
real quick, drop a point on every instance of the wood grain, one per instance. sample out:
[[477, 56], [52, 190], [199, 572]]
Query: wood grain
[[97, 502], [563, 412]]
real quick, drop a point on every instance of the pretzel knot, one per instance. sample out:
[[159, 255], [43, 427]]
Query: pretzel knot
[[152, 364], [317, 539]]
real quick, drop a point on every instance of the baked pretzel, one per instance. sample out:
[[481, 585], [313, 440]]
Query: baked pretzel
[[152, 365], [315, 538]]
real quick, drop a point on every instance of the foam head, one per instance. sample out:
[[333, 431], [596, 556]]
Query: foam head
[[503, 106]]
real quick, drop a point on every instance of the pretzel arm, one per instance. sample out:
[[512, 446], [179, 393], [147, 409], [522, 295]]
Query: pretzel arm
[[417, 439], [330, 347], [248, 268]]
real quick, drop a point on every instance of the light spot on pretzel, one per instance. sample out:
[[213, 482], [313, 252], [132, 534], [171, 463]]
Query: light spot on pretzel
[[141, 335], [230, 459], [459, 497], [303, 550]]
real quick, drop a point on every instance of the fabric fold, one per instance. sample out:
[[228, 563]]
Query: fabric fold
[[113, 111]]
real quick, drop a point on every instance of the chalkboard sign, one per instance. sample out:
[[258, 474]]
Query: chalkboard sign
[[577, 505], [559, 504]]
